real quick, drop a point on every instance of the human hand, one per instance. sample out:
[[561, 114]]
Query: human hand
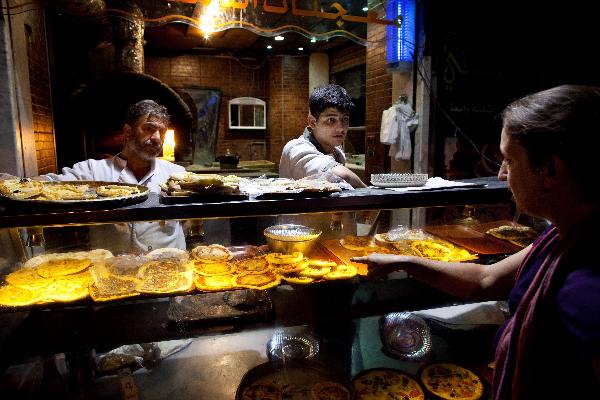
[[382, 264]]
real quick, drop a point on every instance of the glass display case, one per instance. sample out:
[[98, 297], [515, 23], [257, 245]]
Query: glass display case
[[260, 290]]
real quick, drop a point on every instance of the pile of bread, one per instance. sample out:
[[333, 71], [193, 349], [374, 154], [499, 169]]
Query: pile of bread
[[192, 184]]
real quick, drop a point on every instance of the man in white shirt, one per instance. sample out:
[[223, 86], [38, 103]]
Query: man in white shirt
[[318, 149], [145, 126]]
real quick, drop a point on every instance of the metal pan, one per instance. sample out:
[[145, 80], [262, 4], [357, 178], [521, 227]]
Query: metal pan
[[294, 378]]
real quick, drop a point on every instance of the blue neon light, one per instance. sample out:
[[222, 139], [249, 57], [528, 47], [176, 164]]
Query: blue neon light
[[400, 42]]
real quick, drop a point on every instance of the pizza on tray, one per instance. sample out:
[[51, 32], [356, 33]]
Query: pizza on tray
[[452, 382], [385, 383]]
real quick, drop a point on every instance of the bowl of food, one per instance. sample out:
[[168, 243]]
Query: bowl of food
[[291, 238]]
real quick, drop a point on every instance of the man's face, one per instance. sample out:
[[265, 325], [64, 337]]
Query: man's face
[[525, 183], [145, 137], [330, 128]]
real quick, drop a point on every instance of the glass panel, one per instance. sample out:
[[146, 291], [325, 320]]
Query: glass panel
[[246, 115], [259, 115], [234, 114]]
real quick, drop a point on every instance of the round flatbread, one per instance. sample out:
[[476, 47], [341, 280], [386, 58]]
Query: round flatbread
[[27, 278], [384, 383], [342, 271], [297, 279], [65, 289], [290, 268], [168, 253], [280, 258], [254, 265], [116, 190], [212, 253], [328, 390], [452, 382], [164, 276], [258, 281], [62, 266], [20, 188], [214, 283], [12, 296], [357, 243], [431, 250], [211, 269]]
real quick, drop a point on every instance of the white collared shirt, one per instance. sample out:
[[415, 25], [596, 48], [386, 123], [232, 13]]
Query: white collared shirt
[[301, 158], [145, 235]]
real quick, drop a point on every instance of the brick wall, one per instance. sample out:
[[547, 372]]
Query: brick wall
[[39, 79], [234, 77], [346, 58], [287, 106], [378, 98]]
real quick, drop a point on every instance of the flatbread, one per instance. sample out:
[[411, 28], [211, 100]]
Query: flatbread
[[27, 278], [214, 283], [116, 190], [12, 296], [297, 279], [20, 188], [62, 266], [168, 253], [65, 289], [258, 281], [358, 243], [431, 250], [93, 255], [280, 258], [212, 253], [452, 382], [342, 271], [254, 265], [384, 383], [212, 269], [164, 277], [65, 191]]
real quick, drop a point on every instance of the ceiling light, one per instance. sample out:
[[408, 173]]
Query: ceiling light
[[279, 38], [313, 40], [365, 9], [300, 48], [269, 47]]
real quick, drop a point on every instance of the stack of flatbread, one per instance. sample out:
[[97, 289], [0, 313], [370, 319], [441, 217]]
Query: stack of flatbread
[[62, 277], [192, 184]]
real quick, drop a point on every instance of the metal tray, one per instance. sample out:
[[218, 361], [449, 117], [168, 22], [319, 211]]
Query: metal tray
[[209, 198], [100, 202]]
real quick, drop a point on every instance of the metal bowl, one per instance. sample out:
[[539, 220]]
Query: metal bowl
[[288, 346], [405, 336], [289, 238]]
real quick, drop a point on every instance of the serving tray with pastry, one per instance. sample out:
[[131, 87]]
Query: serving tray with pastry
[[27, 194]]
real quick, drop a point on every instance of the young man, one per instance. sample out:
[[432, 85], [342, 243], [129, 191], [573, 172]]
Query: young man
[[550, 347], [319, 148]]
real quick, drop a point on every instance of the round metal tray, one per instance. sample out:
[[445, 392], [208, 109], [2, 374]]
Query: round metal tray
[[96, 203]]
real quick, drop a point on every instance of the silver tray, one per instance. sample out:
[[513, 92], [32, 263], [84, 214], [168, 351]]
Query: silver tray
[[396, 180], [41, 205]]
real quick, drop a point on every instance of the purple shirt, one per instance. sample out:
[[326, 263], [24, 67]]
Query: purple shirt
[[574, 316]]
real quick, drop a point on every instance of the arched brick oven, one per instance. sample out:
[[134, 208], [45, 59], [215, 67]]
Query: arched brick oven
[[98, 110]]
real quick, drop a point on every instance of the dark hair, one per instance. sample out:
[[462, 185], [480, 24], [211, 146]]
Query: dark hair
[[323, 97], [146, 107], [563, 121]]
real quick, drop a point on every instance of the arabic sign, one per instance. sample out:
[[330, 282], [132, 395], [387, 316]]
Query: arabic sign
[[317, 20]]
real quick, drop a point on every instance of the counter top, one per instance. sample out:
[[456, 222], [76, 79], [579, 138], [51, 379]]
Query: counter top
[[488, 190]]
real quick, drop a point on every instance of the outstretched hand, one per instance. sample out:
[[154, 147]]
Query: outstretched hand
[[382, 264]]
